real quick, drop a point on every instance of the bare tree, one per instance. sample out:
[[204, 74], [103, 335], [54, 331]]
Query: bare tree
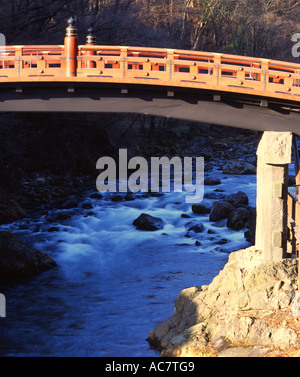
[[245, 27]]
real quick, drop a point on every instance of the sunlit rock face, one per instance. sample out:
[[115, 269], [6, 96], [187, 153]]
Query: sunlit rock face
[[238, 309]]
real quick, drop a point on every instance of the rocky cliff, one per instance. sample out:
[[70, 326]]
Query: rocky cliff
[[247, 310]]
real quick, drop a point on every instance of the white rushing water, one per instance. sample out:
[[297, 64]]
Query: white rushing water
[[113, 283]]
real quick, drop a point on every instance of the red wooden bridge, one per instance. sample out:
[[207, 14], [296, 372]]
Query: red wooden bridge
[[150, 66], [201, 86]]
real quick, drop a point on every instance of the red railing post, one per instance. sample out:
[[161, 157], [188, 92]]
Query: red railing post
[[71, 49], [90, 41]]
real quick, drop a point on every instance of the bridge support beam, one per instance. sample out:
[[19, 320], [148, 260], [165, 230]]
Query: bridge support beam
[[274, 154]]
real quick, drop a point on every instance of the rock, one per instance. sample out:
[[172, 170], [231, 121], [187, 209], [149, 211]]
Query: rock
[[117, 198], [156, 194], [10, 211], [244, 311], [148, 222], [198, 228], [296, 305], [211, 231], [200, 209], [53, 229], [90, 213], [237, 218], [211, 181], [87, 205], [284, 338], [222, 241], [237, 199], [214, 195], [220, 343], [220, 224], [251, 225], [70, 203], [129, 197], [62, 216], [19, 260], [185, 216], [220, 210], [251, 159], [238, 167], [96, 195], [244, 352]]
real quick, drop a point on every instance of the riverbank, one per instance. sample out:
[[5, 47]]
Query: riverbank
[[248, 310]]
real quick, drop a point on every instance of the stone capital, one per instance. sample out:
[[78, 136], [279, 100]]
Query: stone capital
[[275, 147]]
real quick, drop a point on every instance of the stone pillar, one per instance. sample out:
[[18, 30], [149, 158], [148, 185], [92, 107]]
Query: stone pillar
[[274, 154]]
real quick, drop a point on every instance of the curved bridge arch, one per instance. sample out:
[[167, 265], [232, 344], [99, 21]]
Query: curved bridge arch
[[228, 90]]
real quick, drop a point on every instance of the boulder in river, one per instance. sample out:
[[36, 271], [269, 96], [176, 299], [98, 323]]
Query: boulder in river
[[96, 195], [87, 205], [238, 167], [197, 228], [237, 199], [214, 195], [211, 181], [148, 222], [20, 260], [117, 198], [220, 210], [129, 197], [237, 218], [200, 209]]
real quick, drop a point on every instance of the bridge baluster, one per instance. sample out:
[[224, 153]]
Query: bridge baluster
[[217, 68], [90, 41], [265, 73], [170, 59], [18, 61]]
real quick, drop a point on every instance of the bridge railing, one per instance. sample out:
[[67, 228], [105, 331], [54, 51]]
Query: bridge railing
[[23, 63], [151, 66], [191, 69]]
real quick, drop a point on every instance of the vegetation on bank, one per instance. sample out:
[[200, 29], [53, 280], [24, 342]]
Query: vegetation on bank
[[261, 28]]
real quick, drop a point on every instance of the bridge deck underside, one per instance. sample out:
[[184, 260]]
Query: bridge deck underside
[[226, 109]]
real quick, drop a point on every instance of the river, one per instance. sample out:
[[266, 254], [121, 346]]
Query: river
[[113, 283]]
